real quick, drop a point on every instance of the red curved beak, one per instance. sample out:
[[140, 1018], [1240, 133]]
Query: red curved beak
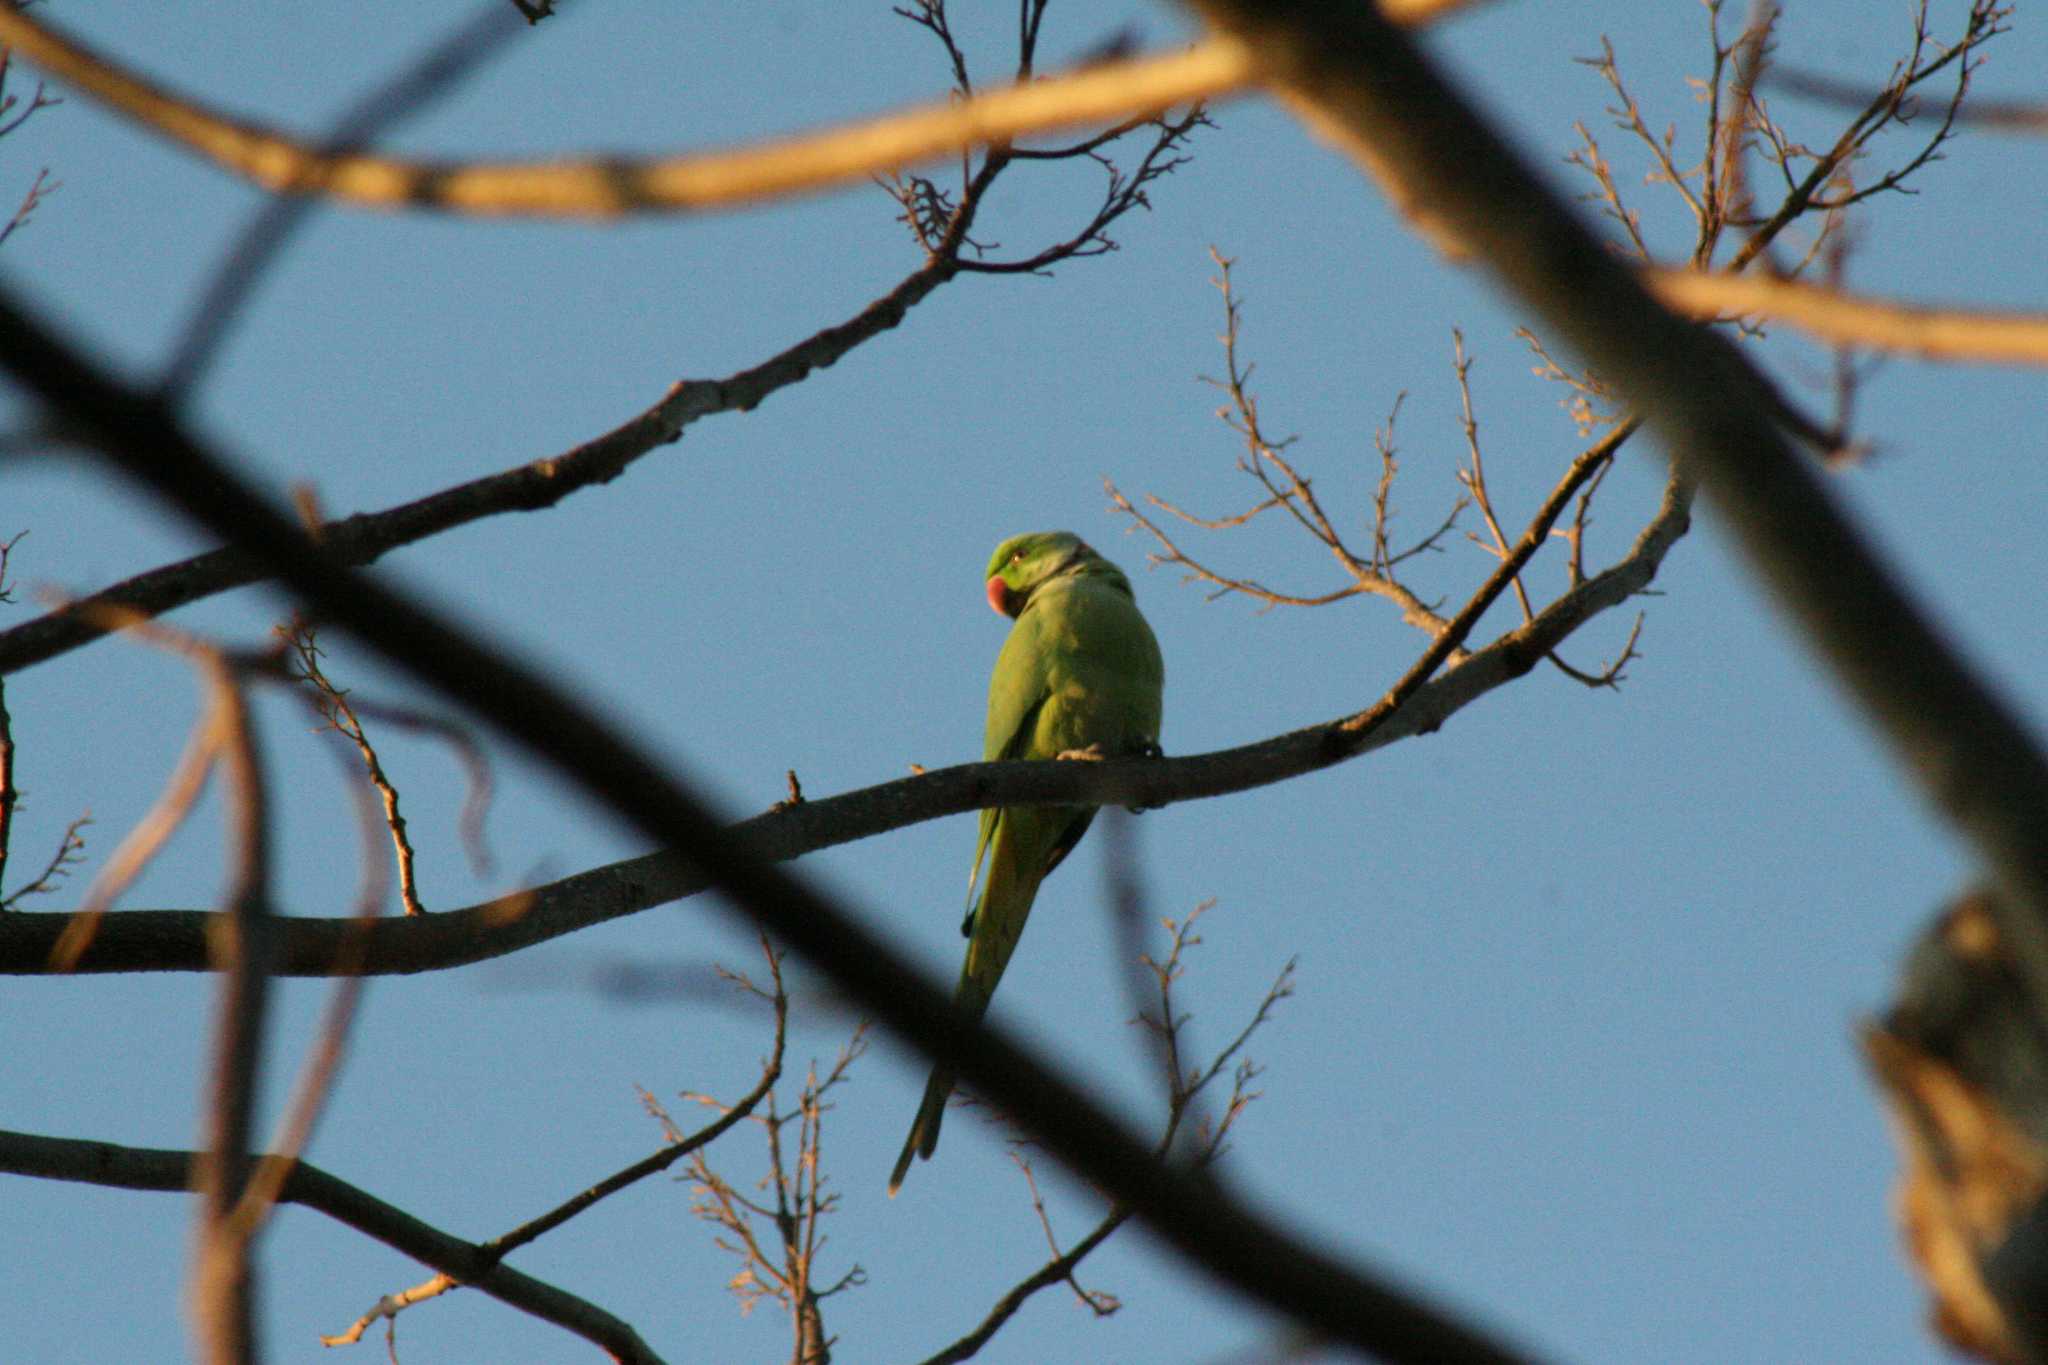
[[999, 595]]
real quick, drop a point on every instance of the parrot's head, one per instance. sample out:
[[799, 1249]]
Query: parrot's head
[[1021, 563]]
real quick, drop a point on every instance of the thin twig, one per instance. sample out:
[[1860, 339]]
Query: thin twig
[[777, 1243], [1369, 574], [333, 706]]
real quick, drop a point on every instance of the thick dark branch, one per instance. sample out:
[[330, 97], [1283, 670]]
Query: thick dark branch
[[151, 1168], [367, 536], [1330, 1297]]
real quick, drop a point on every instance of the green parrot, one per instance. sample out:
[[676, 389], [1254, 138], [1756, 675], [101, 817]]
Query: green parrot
[[1080, 673]]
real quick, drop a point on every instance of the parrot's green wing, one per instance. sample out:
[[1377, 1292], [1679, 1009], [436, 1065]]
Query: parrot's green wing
[[1016, 694], [1080, 671]]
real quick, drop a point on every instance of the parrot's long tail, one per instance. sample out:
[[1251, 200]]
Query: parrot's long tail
[[924, 1131], [1014, 871]]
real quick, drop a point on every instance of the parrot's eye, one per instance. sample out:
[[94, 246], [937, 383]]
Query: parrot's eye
[[1017, 558]]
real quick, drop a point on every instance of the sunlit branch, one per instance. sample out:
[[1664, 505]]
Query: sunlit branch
[[339, 713], [1989, 336], [604, 187], [777, 1244]]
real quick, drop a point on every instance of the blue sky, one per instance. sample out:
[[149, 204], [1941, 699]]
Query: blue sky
[[1572, 1042]]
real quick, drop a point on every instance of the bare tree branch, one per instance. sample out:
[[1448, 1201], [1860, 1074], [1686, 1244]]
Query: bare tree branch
[[39, 189], [69, 853], [151, 1168], [1894, 104], [1372, 574], [176, 940], [334, 707]]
